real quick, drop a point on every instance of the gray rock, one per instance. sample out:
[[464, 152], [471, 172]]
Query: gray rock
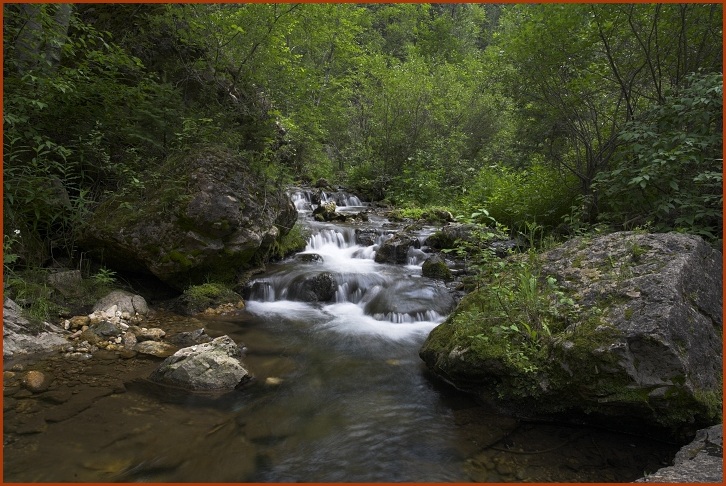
[[309, 258], [22, 337], [213, 366], [320, 288], [435, 267], [37, 381], [124, 302], [144, 334], [643, 345], [395, 249], [68, 283], [325, 212], [701, 461], [190, 338], [366, 237], [106, 329], [209, 217]]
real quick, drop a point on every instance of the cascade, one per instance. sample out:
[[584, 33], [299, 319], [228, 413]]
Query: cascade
[[340, 278]]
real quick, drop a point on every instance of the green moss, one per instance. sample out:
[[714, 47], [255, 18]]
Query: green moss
[[179, 257], [436, 269], [292, 242], [196, 298]]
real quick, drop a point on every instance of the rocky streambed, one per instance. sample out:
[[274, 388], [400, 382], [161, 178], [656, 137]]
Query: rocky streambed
[[333, 387], [100, 418]]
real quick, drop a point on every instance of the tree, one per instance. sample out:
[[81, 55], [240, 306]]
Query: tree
[[668, 170], [616, 62]]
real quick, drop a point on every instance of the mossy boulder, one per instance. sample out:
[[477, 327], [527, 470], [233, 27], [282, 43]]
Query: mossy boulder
[[203, 215], [435, 267], [639, 341]]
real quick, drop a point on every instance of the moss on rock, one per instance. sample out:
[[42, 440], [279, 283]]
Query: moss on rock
[[543, 337]]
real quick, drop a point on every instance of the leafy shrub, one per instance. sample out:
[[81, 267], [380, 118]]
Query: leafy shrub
[[668, 171], [514, 198]]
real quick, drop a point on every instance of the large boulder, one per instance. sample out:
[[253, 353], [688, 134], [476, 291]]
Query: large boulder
[[472, 236], [207, 216], [122, 301], [641, 343], [215, 366]]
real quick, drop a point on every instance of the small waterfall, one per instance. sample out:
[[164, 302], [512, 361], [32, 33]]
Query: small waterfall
[[340, 238], [337, 275], [341, 199], [307, 200]]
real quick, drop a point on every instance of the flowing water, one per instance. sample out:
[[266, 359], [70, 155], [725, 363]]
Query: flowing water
[[340, 394]]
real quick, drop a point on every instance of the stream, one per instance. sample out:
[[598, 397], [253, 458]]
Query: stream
[[340, 394]]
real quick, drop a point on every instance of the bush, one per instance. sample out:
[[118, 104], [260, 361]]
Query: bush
[[514, 198], [668, 171]]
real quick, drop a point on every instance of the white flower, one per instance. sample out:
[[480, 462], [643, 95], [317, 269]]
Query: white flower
[[17, 231]]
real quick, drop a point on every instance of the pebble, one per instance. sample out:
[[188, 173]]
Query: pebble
[[78, 322]]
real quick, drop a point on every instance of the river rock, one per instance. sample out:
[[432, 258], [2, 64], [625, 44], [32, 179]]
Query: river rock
[[643, 346], [20, 336], [395, 249], [190, 338], [366, 237], [106, 330], [320, 288], [309, 258], [155, 348], [700, 461], [435, 267], [213, 366], [209, 217], [77, 322], [121, 301], [144, 334], [325, 212]]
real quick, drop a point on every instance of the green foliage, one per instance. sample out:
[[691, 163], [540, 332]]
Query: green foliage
[[10, 241], [668, 171], [513, 109], [515, 197], [104, 276], [513, 314], [294, 240], [196, 298]]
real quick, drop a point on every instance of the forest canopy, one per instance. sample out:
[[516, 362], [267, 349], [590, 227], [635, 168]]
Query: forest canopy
[[548, 113]]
